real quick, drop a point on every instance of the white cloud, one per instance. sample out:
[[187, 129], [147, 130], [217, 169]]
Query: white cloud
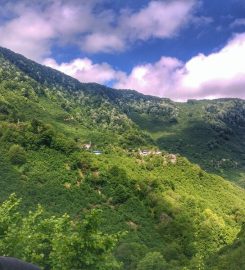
[[154, 79], [27, 34], [32, 28], [220, 74], [86, 71], [103, 42], [159, 19]]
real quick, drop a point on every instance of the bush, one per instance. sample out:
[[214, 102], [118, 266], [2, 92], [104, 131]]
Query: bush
[[152, 261], [121, 194], [130, 254], [17, 155]]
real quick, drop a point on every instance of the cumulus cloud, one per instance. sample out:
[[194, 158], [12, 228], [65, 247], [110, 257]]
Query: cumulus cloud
[[85, 70], [152, 79], [159, 19], [103, 42], [32, 28], [27, 34], [220, 74]]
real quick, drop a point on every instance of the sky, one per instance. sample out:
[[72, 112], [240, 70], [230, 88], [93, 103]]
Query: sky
[[179, 49]]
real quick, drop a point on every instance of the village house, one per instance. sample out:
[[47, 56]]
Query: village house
[[87, 146], [149, 152], [97, 152], [144, 152]]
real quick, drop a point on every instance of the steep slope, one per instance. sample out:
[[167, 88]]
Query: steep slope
[[83, 108], [168, 205]]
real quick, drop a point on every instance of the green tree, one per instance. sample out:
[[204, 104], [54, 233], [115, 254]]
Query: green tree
[[55, 243], [130, 254], [152, 261], [17, 154]]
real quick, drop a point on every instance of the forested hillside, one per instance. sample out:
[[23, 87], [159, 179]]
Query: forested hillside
[[94, 153], [231, 257], [209, 133]]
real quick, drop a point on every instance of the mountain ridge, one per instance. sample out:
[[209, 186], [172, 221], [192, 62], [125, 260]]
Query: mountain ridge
[[72, 82], [18, 61]]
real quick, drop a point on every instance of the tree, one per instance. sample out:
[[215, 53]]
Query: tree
[[55, 243], [152, 261], [130, 254], [17, 155]]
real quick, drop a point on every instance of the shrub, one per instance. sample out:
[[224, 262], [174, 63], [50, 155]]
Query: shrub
[[120, 194], [130, 254], [17, 155], [152, 261]]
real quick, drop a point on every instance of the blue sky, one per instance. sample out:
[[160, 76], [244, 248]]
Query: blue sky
[[170, 48]]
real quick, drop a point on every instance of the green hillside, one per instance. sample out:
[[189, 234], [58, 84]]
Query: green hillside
[[170, 213], [231, 257], [209, 133]]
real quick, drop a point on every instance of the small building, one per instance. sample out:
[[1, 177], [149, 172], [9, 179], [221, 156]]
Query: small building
[[148, 152], [144, 152], [172, 158], [87, 146], [97, 152]]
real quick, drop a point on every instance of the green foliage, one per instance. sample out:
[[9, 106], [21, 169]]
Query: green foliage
[[130, 254], [120, 194], [208, 132], [55, 242], [231, 257], [17, 155], [152, 261], [5, 108]]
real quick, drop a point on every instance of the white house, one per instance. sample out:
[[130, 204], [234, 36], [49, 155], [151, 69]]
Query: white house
[[87, 146], [97, 152]]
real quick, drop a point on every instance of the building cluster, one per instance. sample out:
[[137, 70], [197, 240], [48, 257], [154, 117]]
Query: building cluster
[[142, 152], [149, 152]]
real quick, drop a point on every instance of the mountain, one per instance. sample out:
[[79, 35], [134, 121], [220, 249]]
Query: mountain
[[74, 147], [210, 133]]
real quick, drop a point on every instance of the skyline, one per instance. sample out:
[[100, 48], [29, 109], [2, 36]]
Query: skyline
[[175, 49]]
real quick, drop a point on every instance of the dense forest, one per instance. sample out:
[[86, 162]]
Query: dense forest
[[97, 178]]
